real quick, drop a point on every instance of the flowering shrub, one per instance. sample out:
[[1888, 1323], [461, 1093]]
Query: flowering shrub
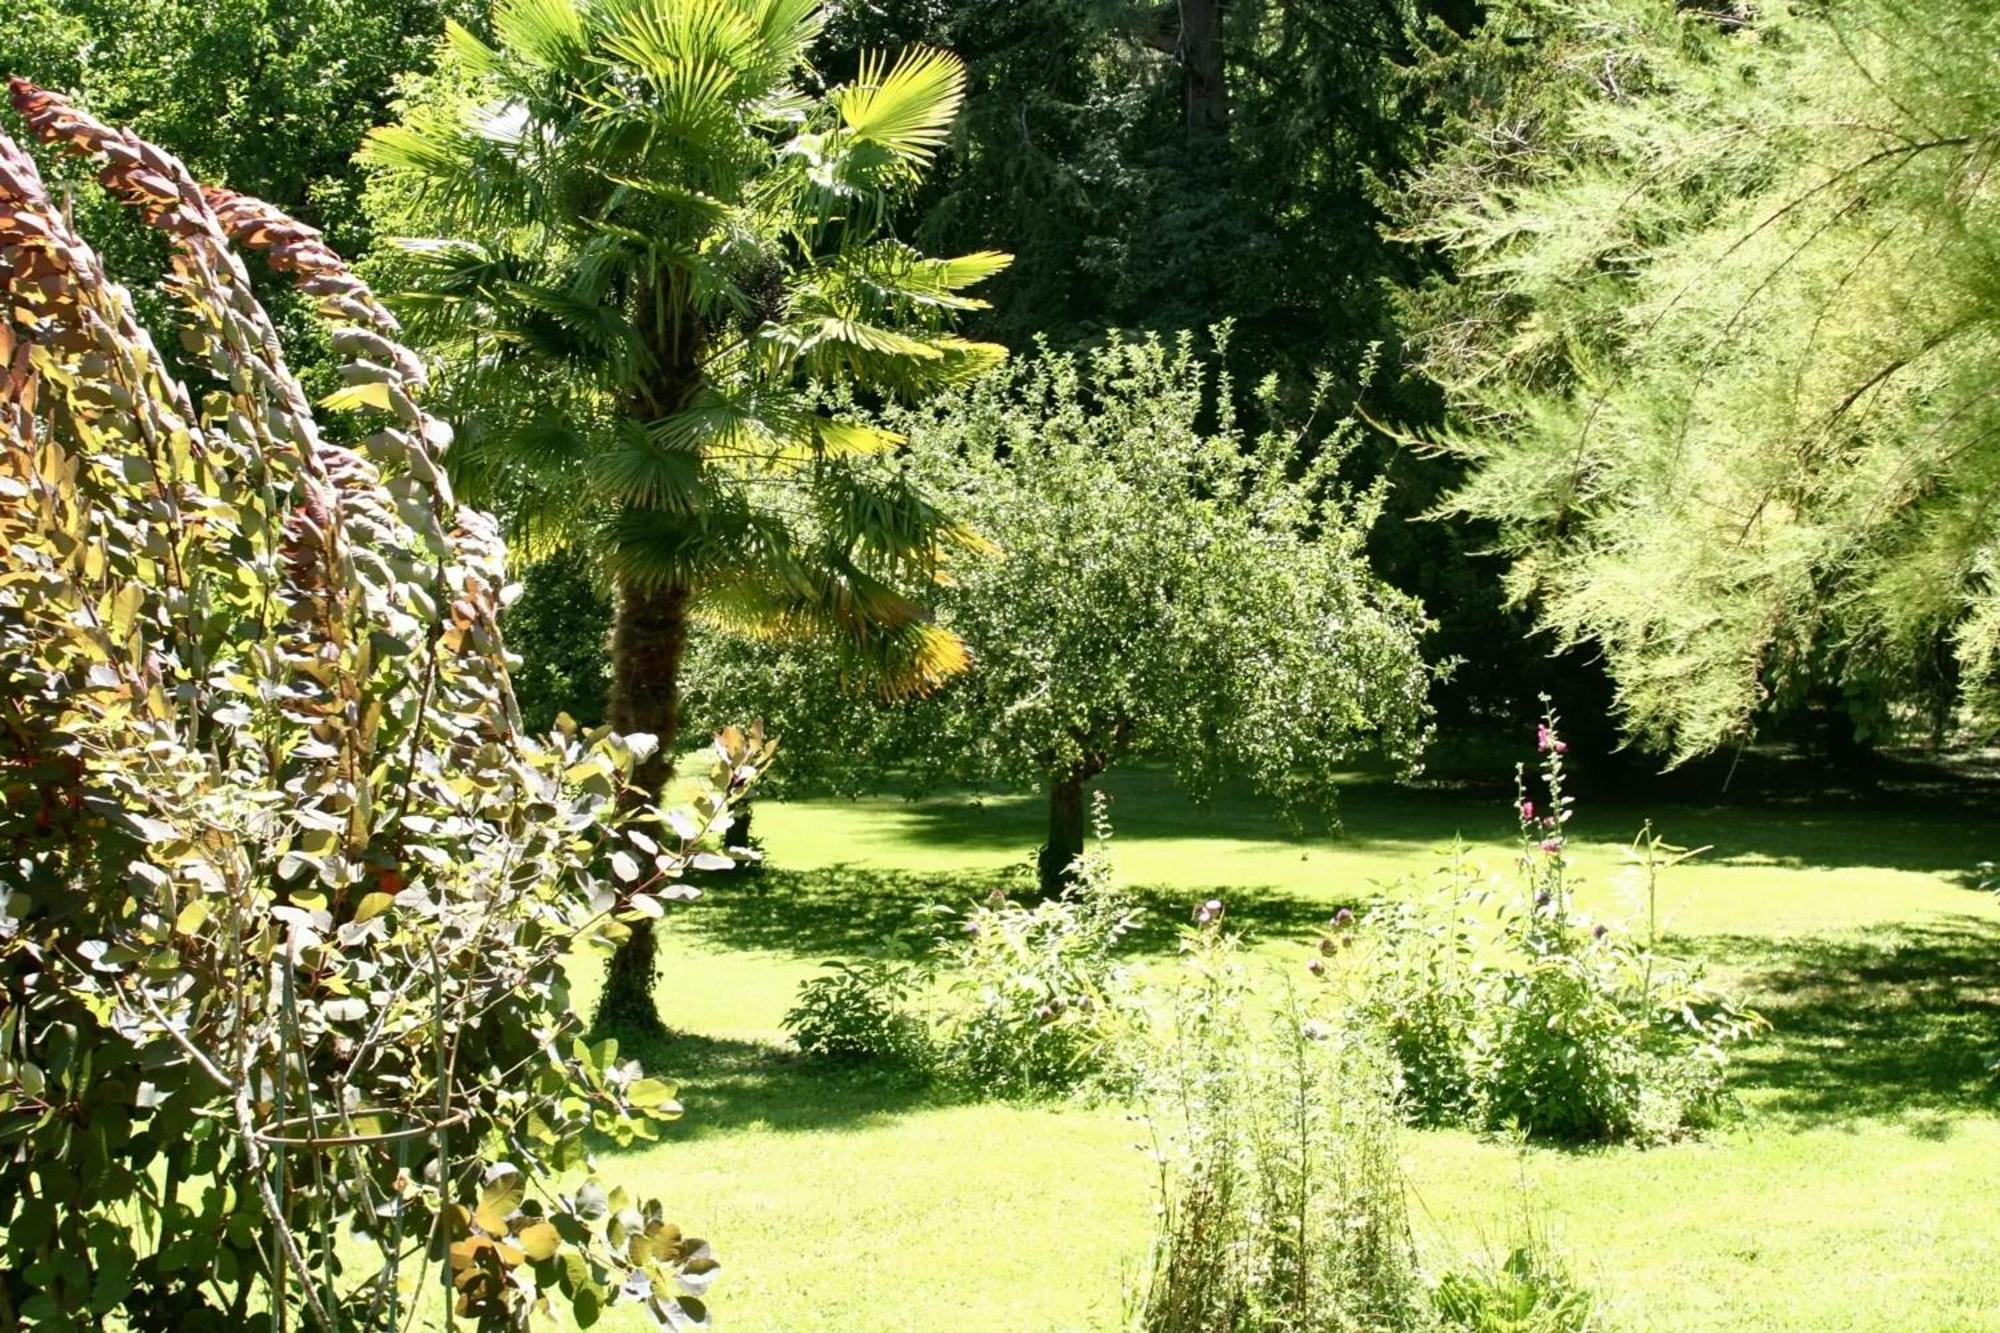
[[1594, 1034], [1036, 998], [1421, 989], [1541, 1019], [285, 1036]]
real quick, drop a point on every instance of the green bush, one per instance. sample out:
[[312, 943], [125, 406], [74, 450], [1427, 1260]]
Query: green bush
[[863, 1012], [1422, 991], [1036, 1000], [1018, 999], [1532, 1291]]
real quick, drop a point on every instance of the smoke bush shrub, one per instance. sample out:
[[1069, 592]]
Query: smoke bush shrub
[[286, 890]]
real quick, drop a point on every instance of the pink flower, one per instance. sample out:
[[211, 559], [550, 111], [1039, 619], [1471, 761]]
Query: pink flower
[[1552, 845], [1544, 738], [1527, 812]]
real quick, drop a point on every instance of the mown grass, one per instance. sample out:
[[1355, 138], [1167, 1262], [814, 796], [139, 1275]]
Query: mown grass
[[1860, 1188]]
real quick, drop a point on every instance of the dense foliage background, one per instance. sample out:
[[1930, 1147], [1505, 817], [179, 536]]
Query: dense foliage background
[[1460, 183], [1015, 404]]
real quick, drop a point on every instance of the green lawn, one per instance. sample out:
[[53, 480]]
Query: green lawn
[[1861, 1189]]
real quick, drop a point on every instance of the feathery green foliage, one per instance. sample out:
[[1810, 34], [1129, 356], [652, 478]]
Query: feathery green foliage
[[1722, 342]]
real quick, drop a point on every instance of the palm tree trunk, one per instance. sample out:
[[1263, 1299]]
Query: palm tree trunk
[[649, 634], [1065, 844]]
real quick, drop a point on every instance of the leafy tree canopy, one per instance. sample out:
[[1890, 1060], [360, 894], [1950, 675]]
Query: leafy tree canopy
[[1166, 590], [270, 97]]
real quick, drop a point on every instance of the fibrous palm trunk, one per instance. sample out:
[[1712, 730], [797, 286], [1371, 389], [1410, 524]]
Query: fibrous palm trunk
[[648, 639]]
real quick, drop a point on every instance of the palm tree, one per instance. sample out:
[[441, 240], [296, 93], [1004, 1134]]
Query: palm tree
[[662, 283]]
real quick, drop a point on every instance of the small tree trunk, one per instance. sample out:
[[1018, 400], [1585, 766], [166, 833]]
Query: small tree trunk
[[1065, 844], [648, 639]]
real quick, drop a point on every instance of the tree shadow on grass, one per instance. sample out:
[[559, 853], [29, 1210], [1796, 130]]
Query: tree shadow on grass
[[1900, 1022], [729, 1085], [1923, 818], [848, 910]]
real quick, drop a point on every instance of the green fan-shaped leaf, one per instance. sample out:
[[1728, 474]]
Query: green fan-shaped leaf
[[906, 108]]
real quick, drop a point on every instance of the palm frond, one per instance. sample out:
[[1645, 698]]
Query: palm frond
[[691, 53], [529, 467], [787, 28], [889, 520], [907, 108], [650, 548], [701, 208], [430, 147], [875, 635], [543, 34], [845, 351], [745, 428], [961, 360], [838, 439], [640, 470], [473, 56], [890, 280]]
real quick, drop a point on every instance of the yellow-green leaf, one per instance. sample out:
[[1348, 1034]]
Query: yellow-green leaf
[[539, 1241], [355, 396]]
